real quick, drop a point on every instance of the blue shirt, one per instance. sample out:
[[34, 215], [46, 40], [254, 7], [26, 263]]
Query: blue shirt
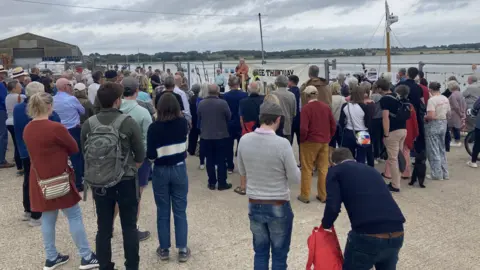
[[233, 98], [220, 80], [21, 119], [68, 108], [369, 204], [3, 96], [142, 96]]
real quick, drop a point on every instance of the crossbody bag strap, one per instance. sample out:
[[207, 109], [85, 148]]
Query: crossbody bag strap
[[35, 171], [351, 119]]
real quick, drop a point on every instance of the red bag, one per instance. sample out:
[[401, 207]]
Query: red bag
[[324, 251]]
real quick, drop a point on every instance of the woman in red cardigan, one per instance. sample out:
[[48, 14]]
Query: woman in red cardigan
[[49, 145], [412, 133]]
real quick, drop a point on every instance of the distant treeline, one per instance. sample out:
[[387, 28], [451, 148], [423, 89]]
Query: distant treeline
[[257, 55]]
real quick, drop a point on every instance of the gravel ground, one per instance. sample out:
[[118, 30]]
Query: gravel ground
[[441, 228]]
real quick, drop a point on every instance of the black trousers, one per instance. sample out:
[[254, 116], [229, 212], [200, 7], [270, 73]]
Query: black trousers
[[18, 160], [192, 140], [236, 135], [125, 194], [476, 146], [296, 133], [26, 192], [376, 133]]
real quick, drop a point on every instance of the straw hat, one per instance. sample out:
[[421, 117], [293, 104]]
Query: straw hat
[[3, 70], [18, 71]]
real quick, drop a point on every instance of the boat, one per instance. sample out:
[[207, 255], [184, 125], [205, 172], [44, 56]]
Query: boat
[[57, 67]]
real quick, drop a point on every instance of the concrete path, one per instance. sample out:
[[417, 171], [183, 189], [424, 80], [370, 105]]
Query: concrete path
[[441, 229]]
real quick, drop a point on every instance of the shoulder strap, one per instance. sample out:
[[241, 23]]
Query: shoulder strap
[[93, 122], [117, 123], [351, 119]]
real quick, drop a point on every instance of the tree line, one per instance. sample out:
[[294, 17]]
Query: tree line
[[257, 54]]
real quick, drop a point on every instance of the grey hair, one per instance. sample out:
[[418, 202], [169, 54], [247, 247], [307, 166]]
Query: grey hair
[[281, 81], [473, 78], [352, 83], [403, 71], [313, 71], [341, 77], [366, 86], [12, 84], [213, 90], [203, 90], [233, 81], [387, 76], [402, 91], [34, 88], [453, 85], [195, 88], [254, 87]]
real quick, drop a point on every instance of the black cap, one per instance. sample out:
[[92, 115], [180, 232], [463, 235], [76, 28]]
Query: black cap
[[110, 74]]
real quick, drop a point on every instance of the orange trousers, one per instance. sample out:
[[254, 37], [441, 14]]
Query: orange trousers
[[314, 154]]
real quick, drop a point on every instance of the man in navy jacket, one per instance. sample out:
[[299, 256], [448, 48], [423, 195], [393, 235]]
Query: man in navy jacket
[[377, 222]]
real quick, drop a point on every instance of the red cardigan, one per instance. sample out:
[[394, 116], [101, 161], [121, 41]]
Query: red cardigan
[[49, 144], [317, 123], [412, 128]]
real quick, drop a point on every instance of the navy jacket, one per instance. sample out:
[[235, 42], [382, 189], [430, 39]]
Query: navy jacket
[[370, 205], [20, 120], [296, 120], [233, 98]]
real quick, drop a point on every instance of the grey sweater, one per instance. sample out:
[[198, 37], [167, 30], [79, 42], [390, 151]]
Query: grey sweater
[[268, 162], [213, 115], [289, 108]]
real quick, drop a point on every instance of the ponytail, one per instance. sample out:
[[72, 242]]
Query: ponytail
[[38, 104]]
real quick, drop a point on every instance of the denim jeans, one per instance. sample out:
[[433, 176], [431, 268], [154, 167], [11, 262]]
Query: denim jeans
[[170, 189], [271, 226], [125, 194], [77, 230], [3, 136], [215, 152], [362, 252], [77, 158], [456, 134], [18, 160], [26, 190]]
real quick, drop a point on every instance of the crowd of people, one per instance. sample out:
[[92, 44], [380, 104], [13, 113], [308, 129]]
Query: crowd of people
[[115, 132]]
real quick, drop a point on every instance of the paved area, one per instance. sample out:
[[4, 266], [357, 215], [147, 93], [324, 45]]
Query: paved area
[[441, 229]]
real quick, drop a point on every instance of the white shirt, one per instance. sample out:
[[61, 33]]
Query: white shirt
[[186, 105], [92, 92], [355, 118]]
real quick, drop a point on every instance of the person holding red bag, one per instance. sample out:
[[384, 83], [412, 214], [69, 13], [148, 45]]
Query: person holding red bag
[[377, 222]]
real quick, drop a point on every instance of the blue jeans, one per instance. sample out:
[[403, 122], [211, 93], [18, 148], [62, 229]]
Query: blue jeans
[[362, 252], [215, 152], [3, 136], [170, 189], [271, 226], [77, 230], [349, 141], [77, 158]]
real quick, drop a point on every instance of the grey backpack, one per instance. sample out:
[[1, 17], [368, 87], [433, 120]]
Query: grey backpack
[[105, 163]]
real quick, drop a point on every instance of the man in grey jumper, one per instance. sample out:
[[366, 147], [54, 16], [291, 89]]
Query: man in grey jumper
[[287, 103], [267, 164], [213, 115]]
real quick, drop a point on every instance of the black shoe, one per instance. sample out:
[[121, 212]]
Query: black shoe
[[142, 236], [163, 254], [183, 256], [90, 264], [422, 186], [227, 186], [80, 188], [392, 189], [211, 187], [60, 260]]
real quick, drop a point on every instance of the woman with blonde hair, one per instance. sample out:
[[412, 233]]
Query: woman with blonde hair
[[355, 117], [45, 138]]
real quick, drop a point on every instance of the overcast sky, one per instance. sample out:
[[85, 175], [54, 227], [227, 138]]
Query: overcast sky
[[287, 24]]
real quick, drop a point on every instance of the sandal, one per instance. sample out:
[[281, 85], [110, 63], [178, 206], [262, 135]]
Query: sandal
[[240, 190], [384, 176]]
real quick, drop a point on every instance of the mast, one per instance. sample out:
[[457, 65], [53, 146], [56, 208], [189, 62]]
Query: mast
[[389, 20], [261, 36]]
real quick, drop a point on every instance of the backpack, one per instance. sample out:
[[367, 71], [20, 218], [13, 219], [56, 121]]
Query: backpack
[[105, 163], [403, 112]]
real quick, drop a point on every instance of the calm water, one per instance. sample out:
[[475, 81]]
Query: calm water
[[438, 67]]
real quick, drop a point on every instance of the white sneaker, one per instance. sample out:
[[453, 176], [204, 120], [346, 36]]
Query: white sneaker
[[429, 176], [201, 167], [34, 222], [375, 162], [26, 216], [472, 164], [455, 144]]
